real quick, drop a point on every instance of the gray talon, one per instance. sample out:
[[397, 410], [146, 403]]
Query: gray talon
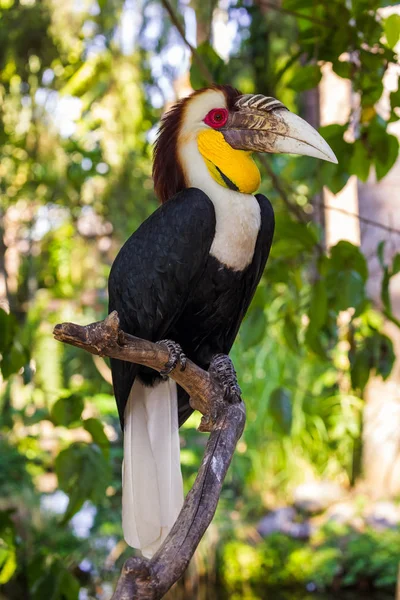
[[222, 367], [175, 355]]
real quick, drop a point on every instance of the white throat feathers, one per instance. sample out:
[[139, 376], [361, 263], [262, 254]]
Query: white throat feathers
[[238, 216]]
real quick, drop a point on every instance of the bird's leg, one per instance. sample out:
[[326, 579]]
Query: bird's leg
[[222, 368], [175, 355]]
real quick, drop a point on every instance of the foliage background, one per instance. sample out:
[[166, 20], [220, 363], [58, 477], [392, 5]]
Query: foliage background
[[82, 87]]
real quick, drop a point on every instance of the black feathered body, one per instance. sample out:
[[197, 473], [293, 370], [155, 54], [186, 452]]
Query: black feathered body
[[165, 284]]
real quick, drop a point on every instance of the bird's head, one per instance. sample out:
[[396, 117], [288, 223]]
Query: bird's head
[[208, 138]]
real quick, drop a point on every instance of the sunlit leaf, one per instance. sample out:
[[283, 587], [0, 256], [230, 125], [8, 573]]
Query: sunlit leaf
[[8, 551], [96, 430], [392, 29]]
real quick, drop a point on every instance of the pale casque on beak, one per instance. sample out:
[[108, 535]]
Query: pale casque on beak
[[263, 124]]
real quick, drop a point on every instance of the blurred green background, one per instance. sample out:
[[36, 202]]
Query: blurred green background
[[82, 87]]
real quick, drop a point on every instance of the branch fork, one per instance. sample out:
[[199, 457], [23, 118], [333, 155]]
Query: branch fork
[[143, 579]]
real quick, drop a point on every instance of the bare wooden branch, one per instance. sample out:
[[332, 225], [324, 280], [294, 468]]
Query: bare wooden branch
[[143, 579]]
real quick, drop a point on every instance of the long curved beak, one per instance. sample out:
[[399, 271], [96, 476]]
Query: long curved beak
[[263, 124]]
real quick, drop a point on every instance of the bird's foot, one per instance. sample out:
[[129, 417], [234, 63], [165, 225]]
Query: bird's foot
[[175, 355], [222, 368]]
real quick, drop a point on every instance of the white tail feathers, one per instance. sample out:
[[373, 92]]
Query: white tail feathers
[[152, 488]]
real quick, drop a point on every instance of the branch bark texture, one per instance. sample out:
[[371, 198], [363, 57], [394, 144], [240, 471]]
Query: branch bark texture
[[143, 579]]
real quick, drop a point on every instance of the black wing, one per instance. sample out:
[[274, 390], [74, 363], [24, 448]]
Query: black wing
[[154, 273], [246, 286], [263, 244]]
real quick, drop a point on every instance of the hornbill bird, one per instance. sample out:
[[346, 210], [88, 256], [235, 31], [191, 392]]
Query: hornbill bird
[[187, 275]]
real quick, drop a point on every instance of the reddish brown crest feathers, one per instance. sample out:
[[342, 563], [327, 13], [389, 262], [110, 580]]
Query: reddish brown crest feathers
[[168, 175]]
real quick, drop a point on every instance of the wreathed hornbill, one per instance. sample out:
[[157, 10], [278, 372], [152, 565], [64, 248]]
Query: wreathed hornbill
[[188, 274]]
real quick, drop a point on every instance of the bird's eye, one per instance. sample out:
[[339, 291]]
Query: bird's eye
[[217, 117]]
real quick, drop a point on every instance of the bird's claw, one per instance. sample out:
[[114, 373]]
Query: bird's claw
[[222, 368], [175, 355]]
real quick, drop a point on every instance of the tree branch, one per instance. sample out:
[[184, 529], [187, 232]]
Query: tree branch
[[196, 56], [293, 13], [371, 222], [143, 579]]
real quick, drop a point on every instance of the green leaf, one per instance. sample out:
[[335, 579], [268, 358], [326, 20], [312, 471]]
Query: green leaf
[[96, 430], [346, 256], [213, 63], [385, 295], [333, 176], [8, 552], [253, 328], [13, 359], [85, 76], [360, 370], [53, 581], [392, 30], [377, 354], [317, 315], [83, 474], [290, 333], [293, 234], [7, 329], [318, 306], [280, 409], [343, 69], [67, 411], [314, 341], [380, 252], [395, 99], [360, 162], [385, 359], [383, 163], [305, 78], [396, 264], [385, 147], [350, 290]]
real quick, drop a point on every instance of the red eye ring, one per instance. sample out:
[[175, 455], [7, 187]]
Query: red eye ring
[[216, 118]]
